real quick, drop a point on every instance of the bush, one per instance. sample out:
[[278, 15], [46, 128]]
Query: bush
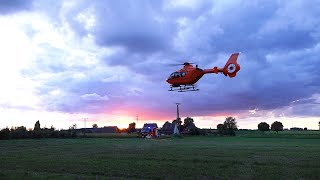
[[228, 132], [19, 133], [4, 133], [223, 130], [194, 131]]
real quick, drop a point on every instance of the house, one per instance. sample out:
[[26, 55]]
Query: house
[[296, 129], [105, 129]]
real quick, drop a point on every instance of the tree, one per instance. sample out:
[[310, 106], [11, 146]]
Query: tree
[[177, 121], [95, 125], [4, 133], [187, 122], [276, 126], [263, 126], [73, 127], [189, 127], [167, 128], [228, 127], [52, 128], [194, 131], [73, 130], [167, 125], [132, 127], [19, 132], [230, 123], [220, 127], [37, 126]]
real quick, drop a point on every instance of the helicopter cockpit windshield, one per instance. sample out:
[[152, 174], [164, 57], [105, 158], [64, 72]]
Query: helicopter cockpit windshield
[[177, 75]]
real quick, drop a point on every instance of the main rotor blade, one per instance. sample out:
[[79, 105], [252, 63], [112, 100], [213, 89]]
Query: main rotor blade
[[181, 64]]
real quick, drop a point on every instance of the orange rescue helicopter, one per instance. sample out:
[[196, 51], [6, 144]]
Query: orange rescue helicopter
[[184, 79]]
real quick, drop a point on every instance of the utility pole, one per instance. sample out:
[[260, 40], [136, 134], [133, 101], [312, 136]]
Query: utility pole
[[178, 117], [176, 130], [85, 121], [137, 119], [84, 130]]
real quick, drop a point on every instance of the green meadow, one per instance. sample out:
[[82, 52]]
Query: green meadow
[[259, 156]]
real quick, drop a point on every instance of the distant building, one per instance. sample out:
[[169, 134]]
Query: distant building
[[105, 129], [296, 129]]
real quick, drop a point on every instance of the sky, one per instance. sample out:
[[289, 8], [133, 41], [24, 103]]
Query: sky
[[106, 62]]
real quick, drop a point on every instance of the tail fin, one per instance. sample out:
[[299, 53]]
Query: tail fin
[[230, 68]]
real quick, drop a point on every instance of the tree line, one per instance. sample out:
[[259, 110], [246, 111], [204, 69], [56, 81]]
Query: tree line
[[21, 132], [228, 127]]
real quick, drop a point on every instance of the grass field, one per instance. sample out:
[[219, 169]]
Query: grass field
[[281, 134], [199, 157]]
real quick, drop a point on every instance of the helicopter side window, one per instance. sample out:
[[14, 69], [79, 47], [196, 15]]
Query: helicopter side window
[[171, 76], [177, 75]]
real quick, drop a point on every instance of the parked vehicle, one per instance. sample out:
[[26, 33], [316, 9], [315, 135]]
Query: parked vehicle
[[149, 130]]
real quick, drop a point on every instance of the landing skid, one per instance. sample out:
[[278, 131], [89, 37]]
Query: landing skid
[[184, 88]]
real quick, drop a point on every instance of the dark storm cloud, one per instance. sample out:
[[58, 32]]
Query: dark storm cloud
[[138, 26], [12, 6], [253, 27], [279, 41]]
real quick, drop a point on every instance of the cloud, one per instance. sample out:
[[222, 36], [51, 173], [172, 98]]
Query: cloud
[[141, 29], [94, 97], [12, 6]]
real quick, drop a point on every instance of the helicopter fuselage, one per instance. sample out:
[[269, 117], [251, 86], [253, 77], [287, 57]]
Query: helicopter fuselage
[[188, 75]]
